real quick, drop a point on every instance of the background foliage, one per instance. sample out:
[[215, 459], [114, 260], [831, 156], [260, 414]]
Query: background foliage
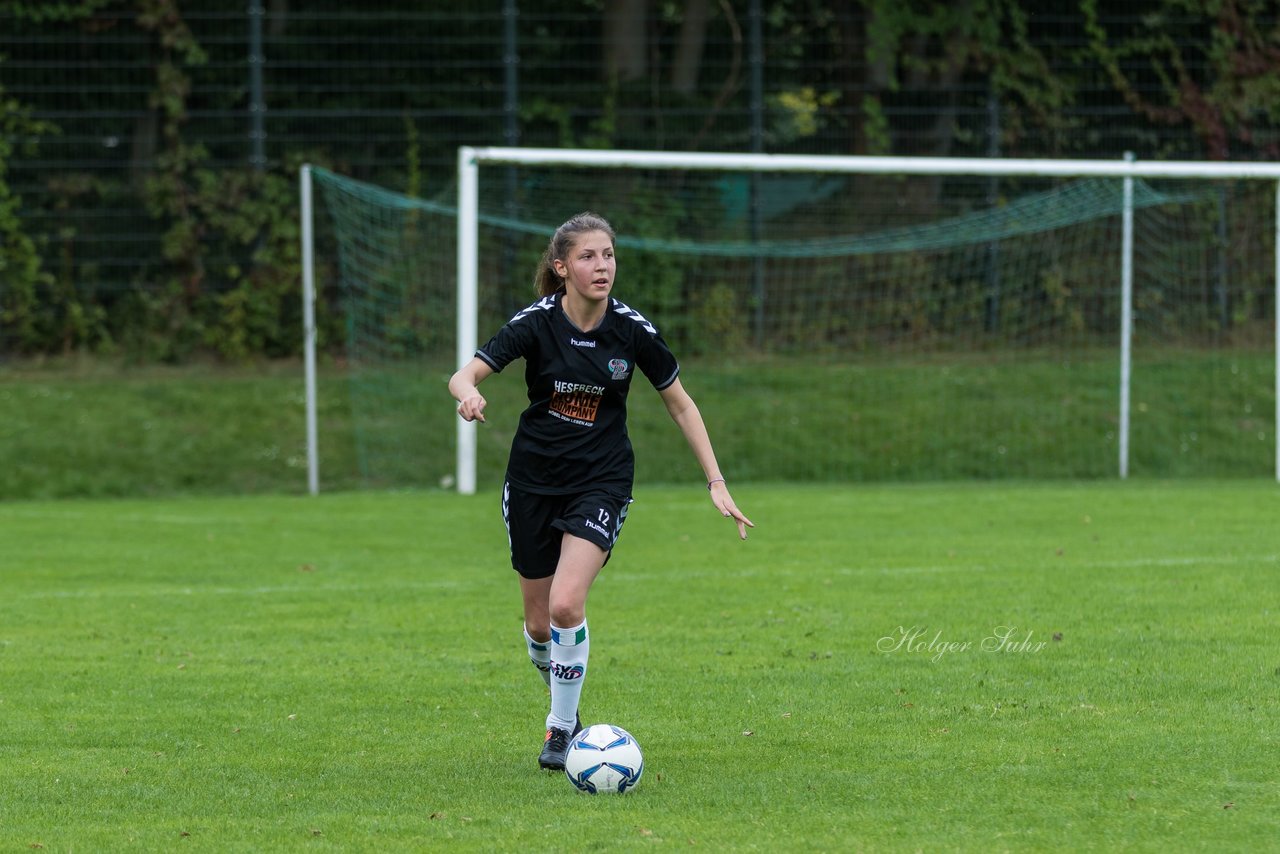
[[144, 214]]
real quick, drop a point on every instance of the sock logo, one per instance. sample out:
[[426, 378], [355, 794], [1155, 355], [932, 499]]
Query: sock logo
[[569, 673]]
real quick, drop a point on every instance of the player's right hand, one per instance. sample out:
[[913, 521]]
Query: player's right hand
[[472, 408]]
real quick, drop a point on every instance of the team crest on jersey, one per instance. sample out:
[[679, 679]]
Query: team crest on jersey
[[620, 368]]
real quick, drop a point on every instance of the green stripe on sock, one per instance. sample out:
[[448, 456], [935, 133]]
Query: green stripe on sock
[[558, 636]]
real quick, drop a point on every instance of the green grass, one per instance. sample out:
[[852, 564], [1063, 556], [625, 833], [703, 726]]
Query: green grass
[[91, 429], [347, 673]]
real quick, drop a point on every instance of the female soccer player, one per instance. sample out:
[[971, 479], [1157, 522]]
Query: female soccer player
[[569, 476]]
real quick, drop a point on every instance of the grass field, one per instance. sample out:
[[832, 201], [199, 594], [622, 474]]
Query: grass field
[[92, 429], [347, 673]]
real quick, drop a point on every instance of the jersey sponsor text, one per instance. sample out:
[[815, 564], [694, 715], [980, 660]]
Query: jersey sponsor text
[[563, 387], [576, 402]]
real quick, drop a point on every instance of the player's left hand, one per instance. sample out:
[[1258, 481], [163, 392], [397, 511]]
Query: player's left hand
[[723, 501]]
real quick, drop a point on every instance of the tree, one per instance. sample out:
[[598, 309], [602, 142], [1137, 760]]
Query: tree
[[688, 54], [1215, 68], [21, 274], [935, 48], [626, 43]]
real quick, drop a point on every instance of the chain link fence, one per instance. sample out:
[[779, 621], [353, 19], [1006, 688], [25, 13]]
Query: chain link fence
[[150, 148]]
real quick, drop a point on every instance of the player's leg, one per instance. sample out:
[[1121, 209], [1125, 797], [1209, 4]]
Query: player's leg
[[535, 551], [580, 563], [536, 595], [591, 524], [587, 526]]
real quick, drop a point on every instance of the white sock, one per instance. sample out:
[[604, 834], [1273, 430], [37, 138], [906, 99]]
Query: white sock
[[540, 655], [569, 648]]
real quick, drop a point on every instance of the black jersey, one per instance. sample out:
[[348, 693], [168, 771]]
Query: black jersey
[[574, 433]]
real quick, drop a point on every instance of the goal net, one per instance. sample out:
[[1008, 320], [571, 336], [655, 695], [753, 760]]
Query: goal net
[[837, 326]]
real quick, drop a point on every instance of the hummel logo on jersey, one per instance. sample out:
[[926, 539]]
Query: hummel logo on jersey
[[575, 342], [627, 311]]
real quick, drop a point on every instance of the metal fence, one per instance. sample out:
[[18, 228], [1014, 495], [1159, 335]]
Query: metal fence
[[143, 123]]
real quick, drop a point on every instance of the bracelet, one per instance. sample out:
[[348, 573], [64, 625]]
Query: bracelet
[[714, 480]]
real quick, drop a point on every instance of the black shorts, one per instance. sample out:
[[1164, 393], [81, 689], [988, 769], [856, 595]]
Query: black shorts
[[536, 525]]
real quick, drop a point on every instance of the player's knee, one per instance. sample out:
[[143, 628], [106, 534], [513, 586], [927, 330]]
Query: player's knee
[[568, 612]]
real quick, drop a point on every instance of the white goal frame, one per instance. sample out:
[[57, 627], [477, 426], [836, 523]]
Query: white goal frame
[[470, 159]]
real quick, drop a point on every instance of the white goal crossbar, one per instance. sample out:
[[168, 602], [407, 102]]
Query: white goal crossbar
[[470, 159]]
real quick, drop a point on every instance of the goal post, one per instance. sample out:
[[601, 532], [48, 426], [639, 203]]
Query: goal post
[[840, 318], [311, 416], [468, 303], [471, 159]]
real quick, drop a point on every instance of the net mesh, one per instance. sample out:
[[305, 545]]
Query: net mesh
[[839, 327]]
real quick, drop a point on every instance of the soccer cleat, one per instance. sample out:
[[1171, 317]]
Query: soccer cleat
[[554, 749], [552, 756]]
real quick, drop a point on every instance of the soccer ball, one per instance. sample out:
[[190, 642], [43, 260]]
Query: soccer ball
[[604, 758]]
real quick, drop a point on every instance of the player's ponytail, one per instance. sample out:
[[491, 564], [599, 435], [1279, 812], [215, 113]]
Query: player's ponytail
[[546, 281]]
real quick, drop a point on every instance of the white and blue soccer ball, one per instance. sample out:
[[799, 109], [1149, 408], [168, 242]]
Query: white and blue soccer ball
[[604, 758]]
